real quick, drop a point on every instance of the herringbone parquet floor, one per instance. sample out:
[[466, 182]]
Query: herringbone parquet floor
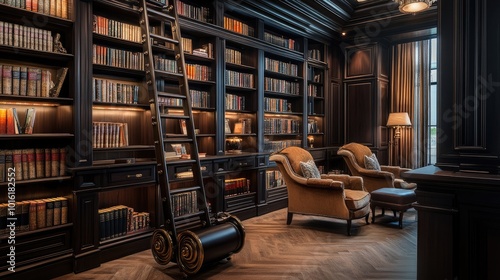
[[310, 248]]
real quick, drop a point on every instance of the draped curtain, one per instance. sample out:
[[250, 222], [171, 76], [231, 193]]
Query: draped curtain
[[410, 87]]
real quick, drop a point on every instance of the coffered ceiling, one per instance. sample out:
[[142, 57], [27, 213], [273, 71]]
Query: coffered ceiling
[[329, 18]]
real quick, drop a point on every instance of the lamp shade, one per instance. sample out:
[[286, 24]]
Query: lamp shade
[[413, 6], [398, 119]]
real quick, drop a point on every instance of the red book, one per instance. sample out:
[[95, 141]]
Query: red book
[[11, 123], [32, 214], [62, 161], [48, 163], [3, 121]]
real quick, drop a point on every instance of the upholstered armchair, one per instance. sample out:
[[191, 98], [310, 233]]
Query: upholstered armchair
[[374, 178], [337, 196]]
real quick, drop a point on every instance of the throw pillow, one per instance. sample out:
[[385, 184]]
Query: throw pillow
[[309, 169], [371, 162]]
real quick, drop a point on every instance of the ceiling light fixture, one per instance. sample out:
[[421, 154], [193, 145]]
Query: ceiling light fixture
[[414, 6]]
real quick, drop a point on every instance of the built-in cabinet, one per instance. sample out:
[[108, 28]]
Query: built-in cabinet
[[38, 102], [256, 87]]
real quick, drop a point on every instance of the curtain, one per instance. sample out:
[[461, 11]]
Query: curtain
[[410, 87]]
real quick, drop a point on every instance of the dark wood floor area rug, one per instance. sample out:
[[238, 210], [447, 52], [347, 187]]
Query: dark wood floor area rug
[[310, 248]]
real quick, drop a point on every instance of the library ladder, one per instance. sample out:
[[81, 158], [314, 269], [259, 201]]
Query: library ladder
[[195, 236]]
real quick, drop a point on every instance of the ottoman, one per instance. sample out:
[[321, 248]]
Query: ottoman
[[395, 199]]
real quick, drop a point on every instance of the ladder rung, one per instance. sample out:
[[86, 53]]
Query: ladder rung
[[181, 190], [181, 162], [177, 140], [167, 74], [158, 14], [166, 116], [187, 216], [171, 95], [164, 39]]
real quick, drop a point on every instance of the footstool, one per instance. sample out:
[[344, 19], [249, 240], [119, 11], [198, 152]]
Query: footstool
[[392, 198]]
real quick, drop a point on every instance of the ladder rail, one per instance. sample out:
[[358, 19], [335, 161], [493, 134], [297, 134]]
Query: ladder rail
[[161, 164], [158, 117]]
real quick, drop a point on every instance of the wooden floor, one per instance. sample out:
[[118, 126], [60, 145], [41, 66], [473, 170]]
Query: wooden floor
[[310, 248]]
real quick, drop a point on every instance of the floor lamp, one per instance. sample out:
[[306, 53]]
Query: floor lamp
[[397, 121]]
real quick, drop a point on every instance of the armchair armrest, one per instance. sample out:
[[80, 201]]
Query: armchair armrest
[[325, 184], [350, 182], [377, 174], [396, 170]]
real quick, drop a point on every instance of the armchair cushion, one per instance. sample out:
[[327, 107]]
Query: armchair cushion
[[371, 162], [355, 200], [309, 169]]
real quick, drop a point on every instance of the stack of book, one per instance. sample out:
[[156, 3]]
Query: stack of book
[[236, 186], [119, 220], [33, 163], [35, 214]]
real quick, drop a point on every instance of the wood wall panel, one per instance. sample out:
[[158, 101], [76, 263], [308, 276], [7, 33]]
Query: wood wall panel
[[335, 116], [359, 113], [360, 62]]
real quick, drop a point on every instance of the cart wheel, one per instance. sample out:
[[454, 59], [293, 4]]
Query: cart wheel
[[162, 246], [190, 252]]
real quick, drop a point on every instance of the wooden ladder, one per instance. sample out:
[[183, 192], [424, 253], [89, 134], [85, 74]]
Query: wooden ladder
[[165, 238]]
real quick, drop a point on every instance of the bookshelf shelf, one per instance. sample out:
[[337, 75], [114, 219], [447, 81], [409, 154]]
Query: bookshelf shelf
[[116, 41], [35, 101], [118, 71], [36, 136], [27, 233], [41, 180], [14, 13], [27, 54]]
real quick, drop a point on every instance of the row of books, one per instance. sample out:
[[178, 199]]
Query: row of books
[[237, 26], [198, 72], [109, 134], [197, 13], [281, 126], [235, 102], [10, 122], [199, 99], [277, 105], [278, 66], [236, 186], [119, 220], [233, 56], [110, 91], [314, 75], [165, 64], [57, 8], [30, 81], [281, 41], [312, 126], [21, 36], [282, 86], [184, 203], [276, 145], [274, 179], [238, 79], [315, 54], [32, 163], [314, 91], [116, 29], [34, 214], [117, 57]]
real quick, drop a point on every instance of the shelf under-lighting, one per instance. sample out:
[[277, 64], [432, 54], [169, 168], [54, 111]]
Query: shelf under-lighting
[[24, 103], [117, 108]]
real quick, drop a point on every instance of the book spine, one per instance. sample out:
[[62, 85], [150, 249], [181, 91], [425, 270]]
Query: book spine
[[32, 215], [54, 162], [25, 163], [48, 162], [18, 165], [7, 79], [64, 211], [57, 211], [41, 214], [39, 163], [49, 205], [25, 225]]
